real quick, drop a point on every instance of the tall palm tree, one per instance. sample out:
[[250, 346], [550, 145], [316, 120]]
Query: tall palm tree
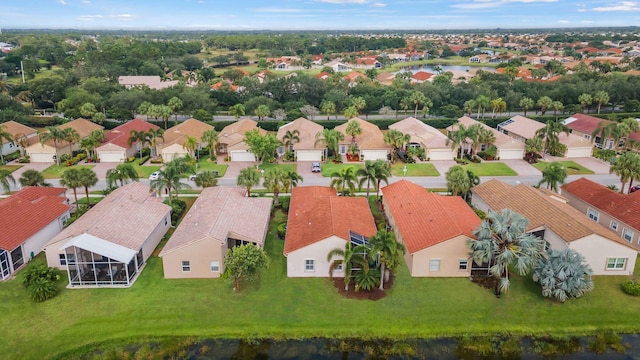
[[330, 138], [458, 137], [601, 97], [141, 137], [503, 242], [417, 98], [382, 173], [175, 104], [290, 138], [170, 178], [549, 135], [359, 103], [391, 252], [486, 137], [54, 134], [627, 166], [152, 137], [294, 177], [71, 180], [482, 102], [585, 100], [396, 140], [32, 177], [122, 173], [211, 138], [458, 181], [6, 179], [615, 131], [533, 148], [328, 107], [350, 256], [7, 136], [190, 144], [344, 180], [71, 136], [276, 180], [544, 103], [248, 178], [526, 104], [353, 129], [553, 175], [88, 178], [367, 174]]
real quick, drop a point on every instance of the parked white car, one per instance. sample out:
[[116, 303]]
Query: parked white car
[[154, 175]]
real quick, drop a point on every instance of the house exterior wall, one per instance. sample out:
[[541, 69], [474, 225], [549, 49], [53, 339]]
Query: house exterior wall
[[479, 204], [373, 155], [9, 147], [172, 152], [38, 240], [39, 153], [597, 250], [578, 152], [317, 252], [449, 253], [200, 254], [505, 154], [153, 240], [440, 154], [309, 155]]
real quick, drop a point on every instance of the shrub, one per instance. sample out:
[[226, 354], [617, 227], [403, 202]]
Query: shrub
[[284, 202], [25, 159], [177, 208], [631, 287], [282, 230], [131, 159], [156, 160], [604, 154], [40, 281], [144, 159]]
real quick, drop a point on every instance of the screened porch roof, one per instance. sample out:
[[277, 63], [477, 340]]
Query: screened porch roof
[[101, 247]]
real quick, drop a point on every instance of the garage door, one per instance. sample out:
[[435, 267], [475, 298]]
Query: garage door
[[41, 157], [443, 154], [579, 152], [509, 154], [242, 156], [111, 156], [309, 155], [374, 155]]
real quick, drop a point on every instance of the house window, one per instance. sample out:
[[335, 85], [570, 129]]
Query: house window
[[434, 265], [166, 220], [63, 259], [593, 214], [616, 263], [338, 268], [588, 137], [186, 266], [215, 266], [627, 234], [613, 225], [547, 245], [463, 264], [310, 265]]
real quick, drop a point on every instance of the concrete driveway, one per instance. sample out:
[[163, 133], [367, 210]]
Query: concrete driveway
[[522, 167]]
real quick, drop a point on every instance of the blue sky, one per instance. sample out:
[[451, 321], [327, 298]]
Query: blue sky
[[315, 14]]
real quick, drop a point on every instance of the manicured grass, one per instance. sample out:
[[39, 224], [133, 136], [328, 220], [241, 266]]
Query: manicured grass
[[329, 168], [573, 168], [55, 171], [285, 167], [414, 169], [205, 164], [490, 169], [10, 168], [280, 307]]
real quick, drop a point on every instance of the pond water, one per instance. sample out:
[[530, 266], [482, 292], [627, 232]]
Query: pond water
[[605, 346], [430, 68]]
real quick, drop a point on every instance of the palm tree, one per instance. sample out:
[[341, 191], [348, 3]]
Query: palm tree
[[544, 103], [503, 242], [87, 178], [482, 102], [553, 175], [175, 104], [122, 173], [330, 138], [533, 148], [141, 137], [152, 138], [458, 181], [165, 113], [486, 137], [601, 97], [71, 180], [350, 255], [276, 180], [469, 106], [549, 135], [417, 98], [382, 173], [290, 138], [353, 129], [170, 178], [556, 106], [350, 112], [293, 179], [585, 100], [373, 172], [71, 136], [526, 104], [344, 180], [190, 144], [359, 103], [262, 111], [237, 110], [248, 178], [563, 274], [458, 137], [405, 104], [627, 166], [206, 178], [615, 130], [473, 133], [32, 178], [328, 107], [396, 140], [211, 138], [4, 135], [391, 252], [5, 179], [497, 106], [54, 134]]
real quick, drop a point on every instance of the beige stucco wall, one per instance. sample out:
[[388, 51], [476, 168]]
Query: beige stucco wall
[[449, 253], [596, 250], [154, 239], [172, 151], [317, 252], [478, 203], [37, 241], [52, 252], [200, 254]]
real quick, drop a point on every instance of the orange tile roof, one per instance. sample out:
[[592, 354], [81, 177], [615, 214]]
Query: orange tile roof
[[28, 211], [316, 213], [422, 76], [624, 207], [425, 219], [371, 137], [120, 134], [584, 123]]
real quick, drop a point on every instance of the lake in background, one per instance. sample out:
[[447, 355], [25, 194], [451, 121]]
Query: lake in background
[[429, 68]]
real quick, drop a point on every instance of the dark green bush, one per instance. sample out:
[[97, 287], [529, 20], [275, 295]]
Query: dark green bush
[[177, 209], [40, 281], [282, 230], [631, 287], [284, 202]]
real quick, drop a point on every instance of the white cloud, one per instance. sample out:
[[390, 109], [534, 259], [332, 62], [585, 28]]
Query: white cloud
[[563, 21], [86, 2], [124, 17], [378, 4], [485, 4], [620, 6], [278, 10], [342, 2], [62, 2]]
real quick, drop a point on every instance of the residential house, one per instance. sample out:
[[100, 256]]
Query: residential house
[[29, 218], [20, 133], [320, 221], [609, 208], [152, 82], [386, 78], [220, 219], [222, 84], [46, 152], [175, 137], [559, 225], [338, 66], [584, 125], [231, 140], [435, 143], [111, 243], [116, 147], [371, 145], [367, 63], [353, 77], [422, 76], [522, 128], [507, 147], [434, 229], [305, 149]]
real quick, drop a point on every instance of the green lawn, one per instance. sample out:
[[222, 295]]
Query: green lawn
[[490, 169], [280, 307], [414, 169], [285, 167], [55, 171], [573, 168], [329, 168], [205, 164], [10, 168]]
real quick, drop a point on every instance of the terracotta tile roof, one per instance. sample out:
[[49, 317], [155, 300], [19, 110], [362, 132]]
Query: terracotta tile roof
[[542, 211], [233, 134], [28, 211], [316, 213], [176, 134], [221, 212], [624, 207], [422, 76], [308, 130], [220, 84], [523, 126], [584, 123], [427, 136], [425, 219], [120, 135], [323, 75], [126, 217], [352, 76], [371, 137], [15, 128]]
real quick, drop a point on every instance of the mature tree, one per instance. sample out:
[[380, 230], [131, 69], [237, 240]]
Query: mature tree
[[237, 110], [211, 138], [359, 103], [89, 144], [171, 177], [563, 274], [328, 107], [276, 180], [99, 117], [627, 166], [87, 110], [553, 175], [190, 144], [469, 106], [458, 137], [391, 252], [71, 136], [353, 129], [533, 148], [244, 263], [309, 111], [601, 97], [294, 178], [54, 134], [248, 178], [544, 103], [290, 138], [6, 179], [87, 178], [417, 98], [350, 112], [344, 180], [458, 181], [556, 106], [585, 100], [165, 113], [176, 105], [71, 180], [349, 256], [482, 102], [526, 104], [262, 146], [502, 242], [396, 140], [262, 111], [32, 177], [141, 137], [7, 136], [373, 172], [497, 106], [122, 173], [549, 135], [152, 138], [330, 138]]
